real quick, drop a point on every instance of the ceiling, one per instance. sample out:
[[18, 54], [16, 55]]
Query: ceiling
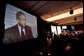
[[47, 9]]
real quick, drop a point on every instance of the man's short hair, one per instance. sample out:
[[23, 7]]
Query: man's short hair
[[18, 14]]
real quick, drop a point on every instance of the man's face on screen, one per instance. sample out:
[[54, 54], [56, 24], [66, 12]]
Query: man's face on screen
[[22, 21]]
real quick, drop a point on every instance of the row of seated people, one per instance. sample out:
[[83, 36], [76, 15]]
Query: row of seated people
[[69, 36]]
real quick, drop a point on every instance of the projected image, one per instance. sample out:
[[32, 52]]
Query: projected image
[[19, 25]]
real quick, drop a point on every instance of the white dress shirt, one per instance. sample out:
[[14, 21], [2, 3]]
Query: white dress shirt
[[19, 27]]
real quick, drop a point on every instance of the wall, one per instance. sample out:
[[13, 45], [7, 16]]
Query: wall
[[79, 27]]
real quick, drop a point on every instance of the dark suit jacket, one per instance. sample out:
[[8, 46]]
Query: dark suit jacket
[[12, 34]]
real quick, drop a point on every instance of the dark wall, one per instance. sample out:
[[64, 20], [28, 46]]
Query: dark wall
[[69, 27], [43, 28], [79, 27], [2, 14]]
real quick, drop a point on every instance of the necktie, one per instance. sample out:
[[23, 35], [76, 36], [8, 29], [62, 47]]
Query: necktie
[[22, 34]]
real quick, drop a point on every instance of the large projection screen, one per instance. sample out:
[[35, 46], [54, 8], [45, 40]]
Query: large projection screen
[[10, 18]]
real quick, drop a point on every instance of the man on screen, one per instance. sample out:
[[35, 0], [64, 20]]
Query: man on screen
[[19, 32]]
